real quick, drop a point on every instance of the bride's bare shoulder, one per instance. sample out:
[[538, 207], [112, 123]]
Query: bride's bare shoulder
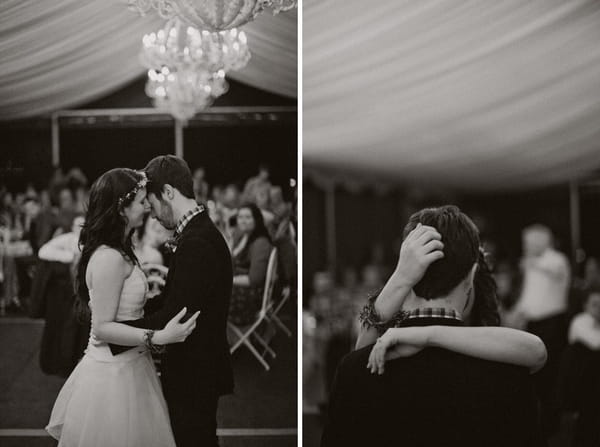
[[108, 258]]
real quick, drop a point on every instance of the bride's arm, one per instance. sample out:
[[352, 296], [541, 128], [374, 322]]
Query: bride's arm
[[493, 343], [391, 298], [419, 250], [108, 276]]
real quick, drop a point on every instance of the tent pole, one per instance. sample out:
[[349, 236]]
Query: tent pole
[[179, 139], [575, 221], [330, 225], [55, 141]]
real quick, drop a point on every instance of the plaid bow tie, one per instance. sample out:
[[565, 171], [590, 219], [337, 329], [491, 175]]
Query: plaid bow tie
[[171, 243]]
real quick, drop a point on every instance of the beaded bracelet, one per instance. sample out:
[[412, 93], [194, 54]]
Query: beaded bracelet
[[370, 318], [154, 349]]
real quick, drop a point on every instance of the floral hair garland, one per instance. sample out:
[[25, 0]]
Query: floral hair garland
[[139, 185]]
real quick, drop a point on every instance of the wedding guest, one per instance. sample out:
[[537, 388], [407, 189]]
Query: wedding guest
[[262, 199], [323, 307], [542, 308], [14, 247], [146, 243], [311, 377], [66, 209], [252, 183], [250, 259], [582, 286], [585, 327], [201, 188], [230, 203], [371, 280], [81, 199], [63, 248], [277, 204], [56, 219], [579, 384]]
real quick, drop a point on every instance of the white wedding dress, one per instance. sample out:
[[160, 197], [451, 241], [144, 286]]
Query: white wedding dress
[[114, 400]]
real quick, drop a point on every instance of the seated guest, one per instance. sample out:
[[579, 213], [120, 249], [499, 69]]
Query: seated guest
[[262, 199], [250, 261], [579, 384], [585, 327], [260, 179]]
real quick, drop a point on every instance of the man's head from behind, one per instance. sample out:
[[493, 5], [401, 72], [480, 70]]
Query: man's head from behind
[[461, 251], [169, 185]]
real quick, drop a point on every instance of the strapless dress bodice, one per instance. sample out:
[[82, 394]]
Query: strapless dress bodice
[[131, 307]]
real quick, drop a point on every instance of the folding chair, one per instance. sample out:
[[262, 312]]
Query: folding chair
[[244, 334], [273, 311], [272, 314]]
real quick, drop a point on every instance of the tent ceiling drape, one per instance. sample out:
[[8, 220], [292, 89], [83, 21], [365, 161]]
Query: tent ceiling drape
[[61, 53], [467, 94]]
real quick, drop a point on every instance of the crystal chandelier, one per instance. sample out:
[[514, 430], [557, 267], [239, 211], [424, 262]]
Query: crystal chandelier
[[212, 15], [187, 67]]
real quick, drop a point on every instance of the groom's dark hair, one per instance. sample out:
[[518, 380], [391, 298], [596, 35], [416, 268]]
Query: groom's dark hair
[[169, 170], [461, 249]]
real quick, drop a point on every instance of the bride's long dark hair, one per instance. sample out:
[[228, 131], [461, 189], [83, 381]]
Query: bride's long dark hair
[[485, 307], [105, 225]]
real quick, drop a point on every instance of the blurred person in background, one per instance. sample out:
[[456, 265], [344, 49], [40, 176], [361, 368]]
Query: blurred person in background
[[351, 289], [284, 237], [541, 309], [66, 209], [312, 396], [56, 219], [579, 384], [230, 203], [250, 260], [64, 248], [582, 286], [585, 327], [15, 224], [372, 280], [201, 189], [146, 243], [262, 199], [506, 288], [262, 178], [322, 309]]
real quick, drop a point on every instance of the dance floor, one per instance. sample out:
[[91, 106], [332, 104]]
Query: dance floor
[[262, 412]]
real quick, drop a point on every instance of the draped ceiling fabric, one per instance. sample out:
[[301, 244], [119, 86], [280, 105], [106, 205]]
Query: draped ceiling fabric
[[467, 94], [57, 54]]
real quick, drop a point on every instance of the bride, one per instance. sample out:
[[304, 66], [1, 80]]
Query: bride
[[115, 400]]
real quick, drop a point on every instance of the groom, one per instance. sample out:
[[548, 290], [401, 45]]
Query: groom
[[436, 397], [197, 372]]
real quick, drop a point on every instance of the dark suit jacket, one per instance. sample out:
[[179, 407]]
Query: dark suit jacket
[[435, 398], [200, 278]]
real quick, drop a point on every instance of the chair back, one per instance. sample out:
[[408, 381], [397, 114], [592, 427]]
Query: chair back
[[270, 280]]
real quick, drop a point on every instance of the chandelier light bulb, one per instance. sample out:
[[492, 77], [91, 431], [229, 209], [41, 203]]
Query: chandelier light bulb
[[187, 67]]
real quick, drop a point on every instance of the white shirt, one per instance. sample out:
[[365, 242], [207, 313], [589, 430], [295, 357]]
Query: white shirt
[[63, 248], [586, 330], [545, 286]]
